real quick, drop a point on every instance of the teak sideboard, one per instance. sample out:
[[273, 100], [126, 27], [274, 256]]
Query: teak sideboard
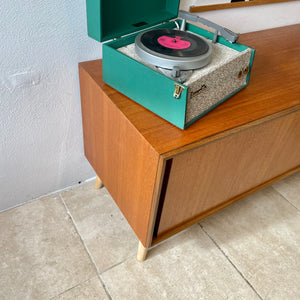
[[163, 178]]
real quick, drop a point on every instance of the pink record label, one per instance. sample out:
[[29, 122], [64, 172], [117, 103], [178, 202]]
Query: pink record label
[[173, 42]]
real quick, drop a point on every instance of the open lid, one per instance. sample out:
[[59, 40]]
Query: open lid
[[108, 19]]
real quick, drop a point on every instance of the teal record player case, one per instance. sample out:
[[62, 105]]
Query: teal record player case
[[179, 103]]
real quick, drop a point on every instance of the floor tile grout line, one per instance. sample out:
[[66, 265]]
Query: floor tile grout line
[[85, 247], [76, 285], [149, 249], [81, 239], [229, 260], [285, 198], [104, 287], [117, 264]]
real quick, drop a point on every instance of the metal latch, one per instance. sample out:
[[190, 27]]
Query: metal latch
[[178, 90]]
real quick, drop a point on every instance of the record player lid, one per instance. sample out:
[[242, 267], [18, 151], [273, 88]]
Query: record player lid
[[107, 19]]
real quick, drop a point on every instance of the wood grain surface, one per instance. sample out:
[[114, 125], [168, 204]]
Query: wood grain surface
[[273, 88], [121, 157], [209, 176], [164, 178], [201, 8]]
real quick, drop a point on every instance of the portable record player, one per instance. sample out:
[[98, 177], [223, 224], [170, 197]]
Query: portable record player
[[177, 70]]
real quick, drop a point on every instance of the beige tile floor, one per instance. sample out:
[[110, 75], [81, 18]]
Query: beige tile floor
[[77, 245]]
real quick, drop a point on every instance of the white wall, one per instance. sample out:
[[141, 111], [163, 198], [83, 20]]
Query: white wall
[[41, 148]]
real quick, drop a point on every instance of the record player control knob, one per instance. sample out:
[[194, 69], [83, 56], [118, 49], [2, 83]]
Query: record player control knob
[[243, 71], [246, 70]]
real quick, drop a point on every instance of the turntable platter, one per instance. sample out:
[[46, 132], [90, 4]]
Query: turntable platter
[[171, 48]]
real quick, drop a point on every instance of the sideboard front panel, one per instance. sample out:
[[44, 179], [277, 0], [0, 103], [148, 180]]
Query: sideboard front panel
[[209, 177]]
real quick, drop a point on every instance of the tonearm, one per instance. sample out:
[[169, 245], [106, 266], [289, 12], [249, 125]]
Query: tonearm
[[229, 35]]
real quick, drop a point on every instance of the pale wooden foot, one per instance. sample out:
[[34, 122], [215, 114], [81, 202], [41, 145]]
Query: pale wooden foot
[[142, 252], [98, 183]]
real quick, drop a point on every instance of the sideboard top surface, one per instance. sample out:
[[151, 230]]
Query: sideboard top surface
[[274, 87]]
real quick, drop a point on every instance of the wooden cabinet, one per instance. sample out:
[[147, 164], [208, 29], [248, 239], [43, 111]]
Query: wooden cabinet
[[164, 179]]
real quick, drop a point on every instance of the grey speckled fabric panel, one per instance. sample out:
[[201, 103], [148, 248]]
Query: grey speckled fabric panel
[[129, 50], [220, 77], [219, 83], [220, 55]]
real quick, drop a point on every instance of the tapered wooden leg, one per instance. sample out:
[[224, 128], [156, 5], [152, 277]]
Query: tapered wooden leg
[[142, 252], [98, 183]]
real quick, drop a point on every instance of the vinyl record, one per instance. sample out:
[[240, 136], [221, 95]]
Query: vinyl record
[[174, 43]]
